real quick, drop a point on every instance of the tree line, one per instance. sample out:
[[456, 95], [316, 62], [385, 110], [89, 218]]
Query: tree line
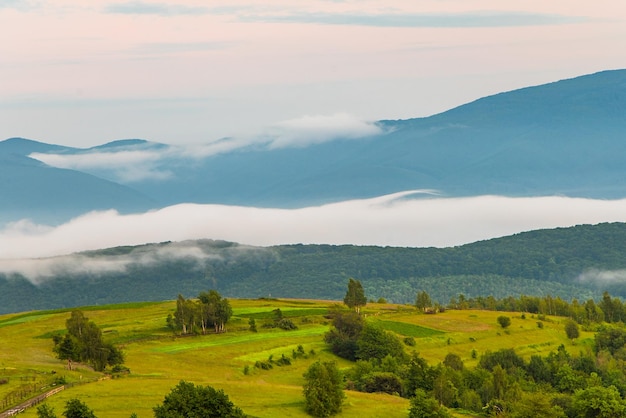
[[192, 316], [591, 383], [536, 263], [608, 309]]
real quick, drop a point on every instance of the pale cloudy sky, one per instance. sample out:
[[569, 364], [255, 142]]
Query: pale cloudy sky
[[84, 73]]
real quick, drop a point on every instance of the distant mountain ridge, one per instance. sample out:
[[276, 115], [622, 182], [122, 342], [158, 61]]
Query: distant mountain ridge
[[577, 262], [563, 138]]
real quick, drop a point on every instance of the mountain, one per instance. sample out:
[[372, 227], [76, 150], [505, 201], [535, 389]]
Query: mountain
[[563, 138], [31, 189], [577, 262]]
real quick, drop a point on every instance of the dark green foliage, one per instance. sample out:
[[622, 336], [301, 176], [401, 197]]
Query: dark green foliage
[[186, 400], [376, 343], [252, 325], [286, 324], [539, 370], [505, 358], [384, 382], [521, 264], [323, 389], [355, 295], [453, 361], [610, 338], [283, 361], [74, 408], [45, 411], [423, 301], [424, 406], [263, 365], [418, 374], [571, 329], [535, 405], [210, 310], [410, 341], [504, 321], [347, 326], [600, 402], [83, 343]]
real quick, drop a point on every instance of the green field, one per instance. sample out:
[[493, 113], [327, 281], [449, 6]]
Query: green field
[[158, 360]]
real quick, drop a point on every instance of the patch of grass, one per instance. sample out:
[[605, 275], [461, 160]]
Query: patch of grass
[[408, 330], [287, 313], [237, 338]]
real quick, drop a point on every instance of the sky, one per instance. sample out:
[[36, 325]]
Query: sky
[[191, 72], [84, 73]]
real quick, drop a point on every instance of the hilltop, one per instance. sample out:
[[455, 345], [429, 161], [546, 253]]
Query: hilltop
[[577, 262], [562, 138]]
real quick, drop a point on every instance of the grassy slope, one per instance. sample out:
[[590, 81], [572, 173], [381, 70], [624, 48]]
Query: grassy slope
[[158, 360]]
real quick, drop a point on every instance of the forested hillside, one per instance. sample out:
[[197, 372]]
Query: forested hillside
[[578, 262]]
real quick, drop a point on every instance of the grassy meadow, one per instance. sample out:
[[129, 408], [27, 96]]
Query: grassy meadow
[[158, 360]]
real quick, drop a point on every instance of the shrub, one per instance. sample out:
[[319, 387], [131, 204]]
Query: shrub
[[504, 321], [187, 400], [410, 341]]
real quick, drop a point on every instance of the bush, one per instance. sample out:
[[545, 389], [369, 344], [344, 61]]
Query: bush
[[187, 400], [283, 361], [423, 405], [504, 321], [383, 382], [286, 324], [571, 330], [263, 365], [410, 341]]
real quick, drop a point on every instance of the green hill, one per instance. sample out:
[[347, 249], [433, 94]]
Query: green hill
[[578, 262], [158, 359]]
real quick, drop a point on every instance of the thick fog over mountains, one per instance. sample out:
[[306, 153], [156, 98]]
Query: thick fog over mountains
[[544, 156]]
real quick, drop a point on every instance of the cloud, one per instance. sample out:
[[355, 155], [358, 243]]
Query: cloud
[[603, 277], [40, 269], [483, 19], [161, 9], [141, 162], [127, 165], [408, 219], [316, 129]]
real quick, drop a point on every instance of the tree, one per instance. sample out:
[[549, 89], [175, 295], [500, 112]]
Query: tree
[[323, 391], [571, 329], [504, 321], [189, 401], [424, 406], [376, 343], [215, 310], [45, 411], [423, 301], [355, 295], [453, 361], [598, 401], [83, 343], [74, 408], [347, 327]]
